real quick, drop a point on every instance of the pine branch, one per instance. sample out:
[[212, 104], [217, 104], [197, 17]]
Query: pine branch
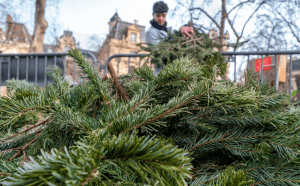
[[29, 128]]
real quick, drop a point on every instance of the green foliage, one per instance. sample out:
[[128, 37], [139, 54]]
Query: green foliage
[[175, 47], [181, 127], [230, 177]]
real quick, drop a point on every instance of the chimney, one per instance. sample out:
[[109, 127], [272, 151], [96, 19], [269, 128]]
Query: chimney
[[135, 22], [9, 18]]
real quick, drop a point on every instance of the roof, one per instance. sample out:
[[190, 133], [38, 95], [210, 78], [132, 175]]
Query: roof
[[120, 29], [115, 17], [68, 33], [16, 32]]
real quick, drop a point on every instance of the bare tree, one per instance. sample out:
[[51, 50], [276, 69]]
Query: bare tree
[[40, 24], [95, 42]]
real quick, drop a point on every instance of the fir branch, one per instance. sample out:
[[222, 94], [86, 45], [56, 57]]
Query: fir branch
[[29, 128], [275, 180], [227, 139], [24, 148], [37, 131], [168, 111]]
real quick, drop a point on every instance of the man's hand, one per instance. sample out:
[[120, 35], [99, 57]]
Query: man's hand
[[185, 31]]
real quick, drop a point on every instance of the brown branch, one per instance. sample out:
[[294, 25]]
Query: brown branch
[[90, 177], [10, 150], [240, 149], [254, 168], [191, 40], [220, 140], [26, 135], [208, 181], [36, 125], [95, 111], [4, 174], [104, 77], [24, 158], [24, 148], [116, 81], [168, 111], [25, 111], [297, 181]]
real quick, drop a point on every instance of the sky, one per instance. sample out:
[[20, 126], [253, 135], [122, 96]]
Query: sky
[[89, 17]]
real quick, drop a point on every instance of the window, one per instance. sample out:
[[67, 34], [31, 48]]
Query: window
[[133, 37]]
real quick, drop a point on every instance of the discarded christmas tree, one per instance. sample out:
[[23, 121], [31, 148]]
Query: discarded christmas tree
[[182, 127]]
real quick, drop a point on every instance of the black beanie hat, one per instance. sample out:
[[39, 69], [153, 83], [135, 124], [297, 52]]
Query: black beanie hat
[[160, 7]]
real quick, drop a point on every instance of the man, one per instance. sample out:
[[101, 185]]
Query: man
[[158, 31]]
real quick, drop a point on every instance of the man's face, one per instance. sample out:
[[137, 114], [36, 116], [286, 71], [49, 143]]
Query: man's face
[[160, 18]]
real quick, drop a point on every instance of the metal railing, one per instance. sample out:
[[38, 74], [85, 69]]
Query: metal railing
[[230, 57], [32, 67], [122, 55], [262, 54]]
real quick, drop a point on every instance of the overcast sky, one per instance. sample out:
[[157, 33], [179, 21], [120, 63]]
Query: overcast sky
[[86, 17]]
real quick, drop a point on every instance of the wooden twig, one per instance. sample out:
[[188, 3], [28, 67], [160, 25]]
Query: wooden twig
[[104, 77], [116, 81], [4, 174], [95, 111], [24, 158], [39, 123], [90, 177], [26, 135], [25, 147]]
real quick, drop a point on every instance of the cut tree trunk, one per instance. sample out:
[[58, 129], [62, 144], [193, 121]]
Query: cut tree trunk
[[40, 26]]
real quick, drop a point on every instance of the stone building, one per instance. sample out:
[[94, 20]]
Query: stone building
[[122, 39], [15, 38]]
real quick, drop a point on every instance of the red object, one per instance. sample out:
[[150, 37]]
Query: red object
[[267, 64]]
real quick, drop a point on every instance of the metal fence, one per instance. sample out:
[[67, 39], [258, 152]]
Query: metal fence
[[32, 67], [230, 57], [262, 54]]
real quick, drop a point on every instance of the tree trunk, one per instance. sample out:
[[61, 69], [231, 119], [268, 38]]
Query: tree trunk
[[222, 28], [40, 26]]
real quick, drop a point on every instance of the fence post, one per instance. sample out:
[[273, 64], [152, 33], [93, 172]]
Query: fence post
[[291, 70], [128, 65], [262, 68], [276, 78], [234, 68]]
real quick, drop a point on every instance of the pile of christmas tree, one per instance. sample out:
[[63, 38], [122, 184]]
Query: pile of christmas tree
[[181, 127]]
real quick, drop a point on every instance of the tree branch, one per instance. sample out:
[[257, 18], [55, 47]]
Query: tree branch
[[36, 125], [117, 83], [213, 20]]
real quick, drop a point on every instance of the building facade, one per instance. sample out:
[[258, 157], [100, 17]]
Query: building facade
[[122, 39]]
